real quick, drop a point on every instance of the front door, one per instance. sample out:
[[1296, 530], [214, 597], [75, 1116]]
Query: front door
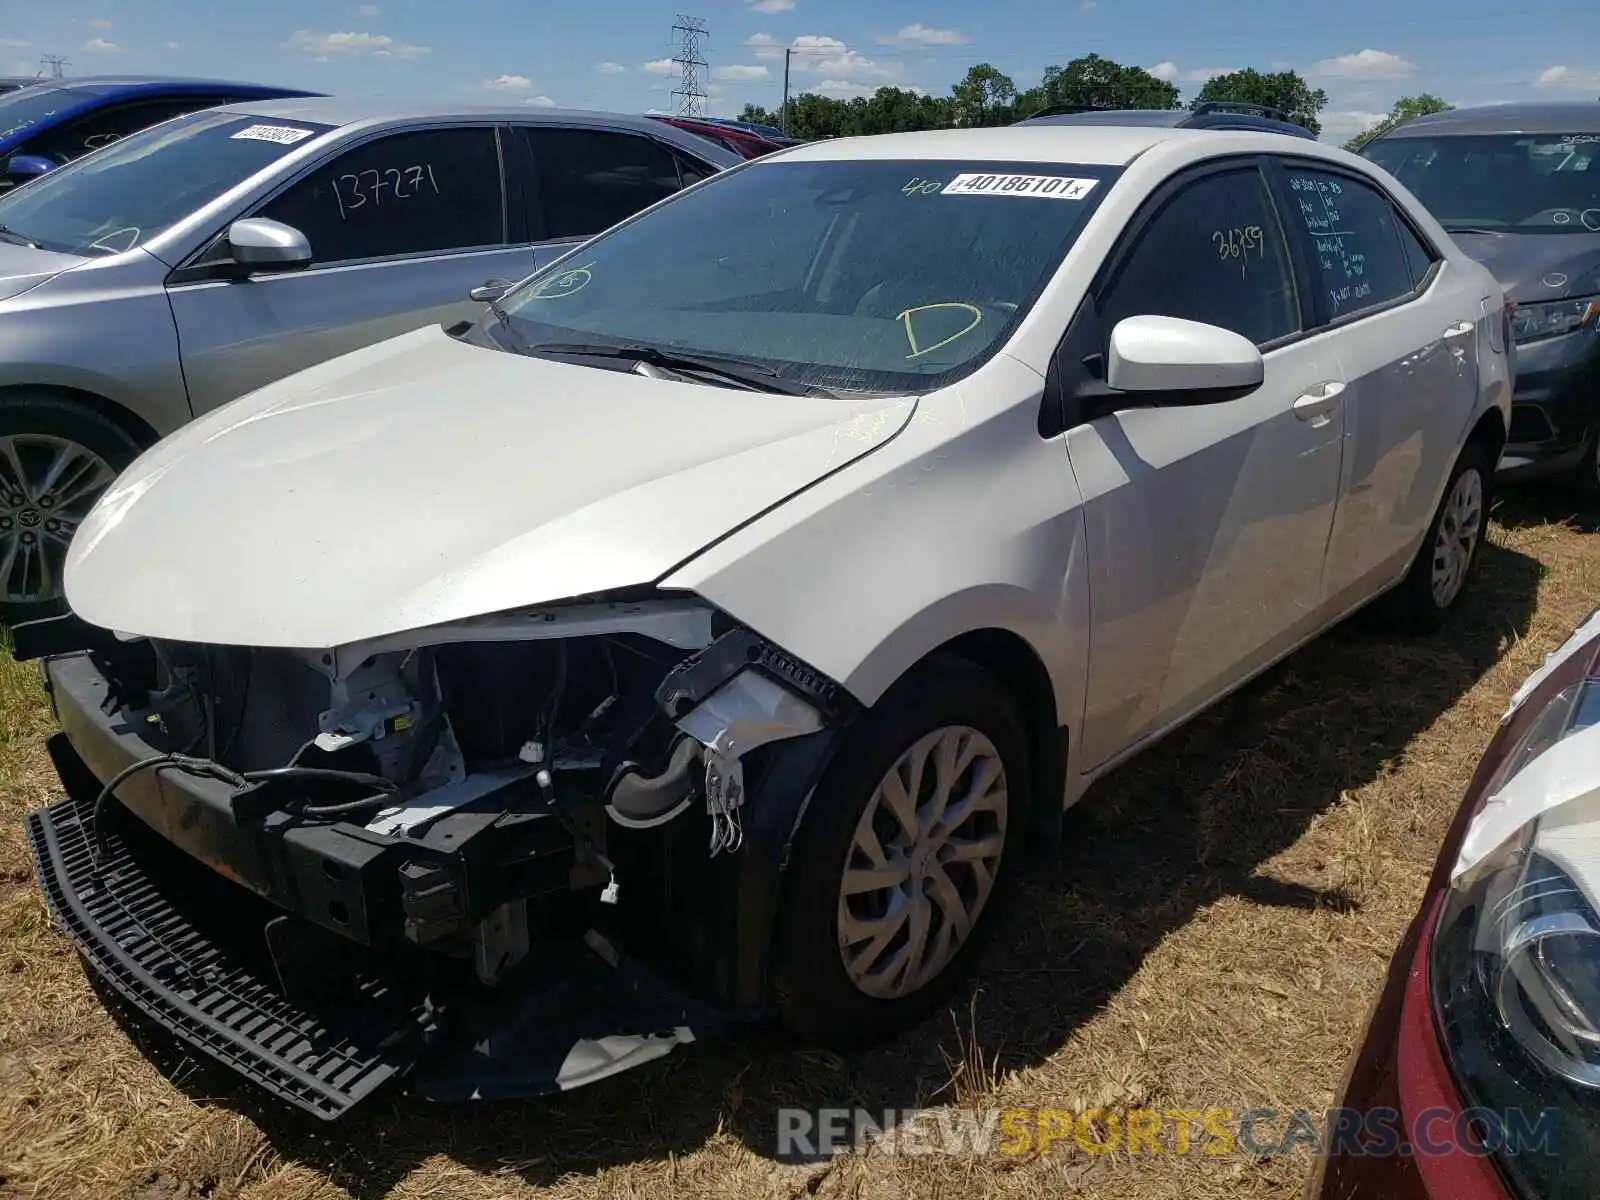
[[402, 228], [1206, 524]]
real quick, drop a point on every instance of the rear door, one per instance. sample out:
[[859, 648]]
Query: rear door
[[1206, 524], [402, 227], [1406, 327], [573, 182]]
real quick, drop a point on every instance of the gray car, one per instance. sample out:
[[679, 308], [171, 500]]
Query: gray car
[[155, 279]]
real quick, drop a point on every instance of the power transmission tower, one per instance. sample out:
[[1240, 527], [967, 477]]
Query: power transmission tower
[[690, 95], [55, 62]]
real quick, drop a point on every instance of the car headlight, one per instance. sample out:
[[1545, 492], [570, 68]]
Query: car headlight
[[1552, 318], [1515, 962]]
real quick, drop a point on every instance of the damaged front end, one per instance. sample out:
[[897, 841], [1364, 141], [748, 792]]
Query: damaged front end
[[501, 857]]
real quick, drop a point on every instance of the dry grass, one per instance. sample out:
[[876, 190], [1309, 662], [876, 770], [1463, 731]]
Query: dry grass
[[1211, 936]]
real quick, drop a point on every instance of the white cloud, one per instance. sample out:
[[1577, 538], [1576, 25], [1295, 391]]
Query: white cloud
[[174, 45], [1343, 124], [324, 46], [843, 89], [1089, 5], [611, 68], [920, 35], [100, 23], [101, 46], [540, 101], [772, 6], [1573, 78], [15, 43], [1169, 71], [1365, 64], [368, 10], [659, 66], [833, 60], [764, 45], [508, 83], [739, 72]]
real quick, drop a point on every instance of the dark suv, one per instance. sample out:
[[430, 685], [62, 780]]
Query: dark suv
[[1518, 187], [1205, 114]]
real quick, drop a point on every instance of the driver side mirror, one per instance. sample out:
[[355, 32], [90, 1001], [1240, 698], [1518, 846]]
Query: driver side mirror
[[22, 167], [1186, 362], [258, 244]]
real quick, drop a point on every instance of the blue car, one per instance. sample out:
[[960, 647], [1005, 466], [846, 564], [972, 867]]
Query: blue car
[[48, 124]]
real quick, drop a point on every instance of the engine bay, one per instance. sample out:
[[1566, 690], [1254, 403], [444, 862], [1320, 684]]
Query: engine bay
[[482, 790]]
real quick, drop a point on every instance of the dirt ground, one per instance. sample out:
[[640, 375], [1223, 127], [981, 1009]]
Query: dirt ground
[[1210, 938]]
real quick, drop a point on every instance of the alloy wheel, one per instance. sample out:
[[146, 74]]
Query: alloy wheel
[[922, 862], [1460, 526], [47, 486]]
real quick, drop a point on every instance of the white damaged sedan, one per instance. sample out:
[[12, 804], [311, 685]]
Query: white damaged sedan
[[705, 631]]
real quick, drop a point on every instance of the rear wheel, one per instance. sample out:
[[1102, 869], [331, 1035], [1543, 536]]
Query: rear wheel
[[901, 859], [1438, 577], [57, 456]]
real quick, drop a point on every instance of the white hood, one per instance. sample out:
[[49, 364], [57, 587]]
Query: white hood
[[424, 480]]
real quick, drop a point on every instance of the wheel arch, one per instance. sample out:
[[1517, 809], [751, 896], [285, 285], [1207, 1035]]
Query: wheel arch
[[1490, 433], [119, 415]]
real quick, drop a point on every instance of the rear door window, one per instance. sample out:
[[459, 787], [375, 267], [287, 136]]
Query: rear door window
[[427, 191], [588, 180], [1352, 236]]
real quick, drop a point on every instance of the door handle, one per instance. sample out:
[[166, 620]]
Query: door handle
[[1459, 330], [490, 290], [1316, 402]]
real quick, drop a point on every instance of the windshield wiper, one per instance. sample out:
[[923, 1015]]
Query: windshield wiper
[[739, 370], [12, 235], [1470, 229]]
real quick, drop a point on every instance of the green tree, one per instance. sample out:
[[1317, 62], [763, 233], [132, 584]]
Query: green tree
[[1095, 82], [1282, 89], [1404, 109], [984, 97]]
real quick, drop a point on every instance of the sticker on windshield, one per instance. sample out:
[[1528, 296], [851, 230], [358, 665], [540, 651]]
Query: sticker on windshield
[[284, 135], [1056, 187]]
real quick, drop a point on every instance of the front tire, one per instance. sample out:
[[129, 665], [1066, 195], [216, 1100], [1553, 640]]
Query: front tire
[[902, 857], [1438, 577], [57, 455]]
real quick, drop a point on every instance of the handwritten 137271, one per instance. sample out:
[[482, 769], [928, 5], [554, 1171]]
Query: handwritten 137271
[[355, 190]]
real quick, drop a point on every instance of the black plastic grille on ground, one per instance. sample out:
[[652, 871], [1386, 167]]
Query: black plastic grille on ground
[[199, 985]]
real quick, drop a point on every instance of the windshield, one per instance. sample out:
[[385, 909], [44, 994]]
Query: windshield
[[864, 275], [26, 107], [128, 192], [1527, 182]]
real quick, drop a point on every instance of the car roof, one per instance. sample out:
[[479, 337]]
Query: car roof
[[1172, 118], [341, 112], [178, 82], [1565, 117], [1105, 145]]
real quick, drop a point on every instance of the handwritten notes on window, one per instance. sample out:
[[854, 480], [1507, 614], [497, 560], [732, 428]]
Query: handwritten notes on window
[[1323, 205], [355, 190]]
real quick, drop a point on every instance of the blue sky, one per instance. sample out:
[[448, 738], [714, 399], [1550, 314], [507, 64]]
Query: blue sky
[[1365, 53]]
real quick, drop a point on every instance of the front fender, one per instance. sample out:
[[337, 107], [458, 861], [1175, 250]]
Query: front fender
[[968, 520]]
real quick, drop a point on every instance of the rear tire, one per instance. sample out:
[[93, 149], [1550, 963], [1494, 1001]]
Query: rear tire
[[829, 985], [57, 455], [1433, 587]]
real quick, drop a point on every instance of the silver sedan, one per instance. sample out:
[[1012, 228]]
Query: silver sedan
[[155, 279]]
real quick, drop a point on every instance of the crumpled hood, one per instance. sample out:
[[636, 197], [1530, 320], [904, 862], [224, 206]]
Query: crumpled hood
[[23, 267], [424, 480], [1533, 267]]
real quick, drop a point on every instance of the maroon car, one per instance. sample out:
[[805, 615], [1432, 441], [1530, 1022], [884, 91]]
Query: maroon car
[[741, 142], [1479, 1073]]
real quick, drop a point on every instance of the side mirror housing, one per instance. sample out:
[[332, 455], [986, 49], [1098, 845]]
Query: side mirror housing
[[1182, 362], [22, 167], [258, 244]]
